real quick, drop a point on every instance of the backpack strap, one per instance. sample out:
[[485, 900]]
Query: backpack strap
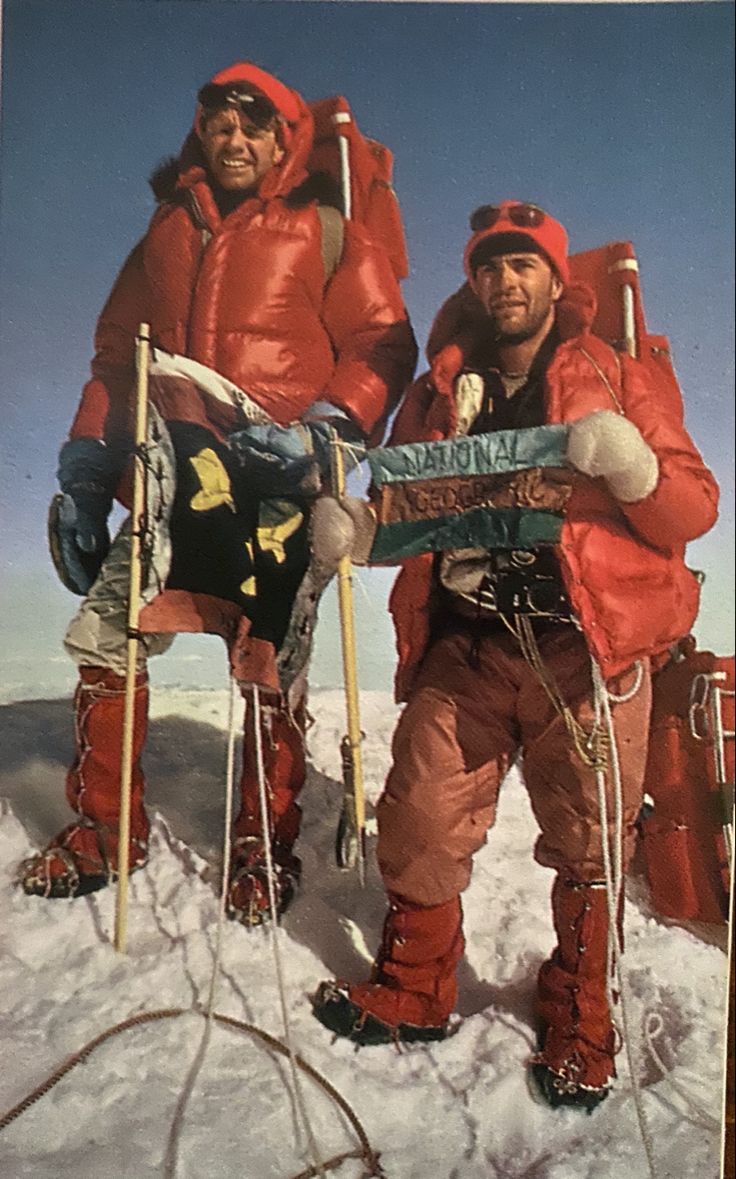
[[333, 237]]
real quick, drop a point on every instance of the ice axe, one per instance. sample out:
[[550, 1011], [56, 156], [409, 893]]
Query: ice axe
[[137, 523], [350, 837]]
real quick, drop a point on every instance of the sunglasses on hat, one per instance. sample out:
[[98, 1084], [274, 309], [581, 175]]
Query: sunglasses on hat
[[523, 216], [258, 110]]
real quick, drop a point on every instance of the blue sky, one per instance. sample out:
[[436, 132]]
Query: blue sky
[[617, 118]]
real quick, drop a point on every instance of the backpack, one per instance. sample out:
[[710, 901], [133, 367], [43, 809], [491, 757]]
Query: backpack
[[684, 825], [612, 271], [362, 168]]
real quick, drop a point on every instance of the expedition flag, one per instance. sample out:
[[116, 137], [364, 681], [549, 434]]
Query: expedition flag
[[507, 489]]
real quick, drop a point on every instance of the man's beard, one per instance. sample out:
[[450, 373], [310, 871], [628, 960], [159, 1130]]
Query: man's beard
[[520, 336], [524, 332]]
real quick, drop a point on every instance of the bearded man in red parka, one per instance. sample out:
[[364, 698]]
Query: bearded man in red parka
[[275, 324], [522, 648]]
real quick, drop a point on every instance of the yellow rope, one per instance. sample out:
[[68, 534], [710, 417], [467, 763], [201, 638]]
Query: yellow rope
[[592, 747]]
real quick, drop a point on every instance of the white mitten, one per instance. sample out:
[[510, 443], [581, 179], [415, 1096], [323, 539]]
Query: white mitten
[[339, 528], [608, 446]]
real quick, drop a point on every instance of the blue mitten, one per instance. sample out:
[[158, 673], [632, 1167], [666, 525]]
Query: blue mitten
[[290, 460], [78, 535]]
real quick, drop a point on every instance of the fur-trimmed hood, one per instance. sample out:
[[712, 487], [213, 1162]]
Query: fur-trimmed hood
[[622, 563], [187, 170], [460, 329]]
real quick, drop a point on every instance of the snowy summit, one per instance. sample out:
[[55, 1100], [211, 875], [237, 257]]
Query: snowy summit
[[177, 1097]]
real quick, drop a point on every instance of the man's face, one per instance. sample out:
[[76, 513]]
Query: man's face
[[518, 292], [238, 154]]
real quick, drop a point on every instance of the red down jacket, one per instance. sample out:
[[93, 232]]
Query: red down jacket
[[622, 564], [246, 296]]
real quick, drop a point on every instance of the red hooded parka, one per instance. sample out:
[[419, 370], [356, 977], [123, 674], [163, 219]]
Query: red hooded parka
[[246, 296], [622, 564]]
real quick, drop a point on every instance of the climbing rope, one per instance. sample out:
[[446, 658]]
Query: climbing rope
[[654, 1027], [171, 1157], [612, 847], [319, 1167], [597, 749], [274, 931], [226, 842], [613, 868], [592, 748], [365, 1153], [624, 697]]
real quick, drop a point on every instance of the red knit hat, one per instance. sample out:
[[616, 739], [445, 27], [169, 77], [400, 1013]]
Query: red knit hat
[[286, 101], [517, 225]]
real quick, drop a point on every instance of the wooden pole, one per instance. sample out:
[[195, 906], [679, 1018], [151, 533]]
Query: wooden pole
[[143, 343], [351, 831], [350, 841]]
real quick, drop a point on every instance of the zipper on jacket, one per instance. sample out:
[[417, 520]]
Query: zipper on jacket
[[205, 233]]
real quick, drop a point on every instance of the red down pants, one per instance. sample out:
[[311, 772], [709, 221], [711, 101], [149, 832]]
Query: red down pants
[[477, 702]]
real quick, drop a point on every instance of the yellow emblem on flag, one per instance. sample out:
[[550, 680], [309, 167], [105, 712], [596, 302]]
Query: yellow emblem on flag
[[279, 521], [215, 483], [248, 587]]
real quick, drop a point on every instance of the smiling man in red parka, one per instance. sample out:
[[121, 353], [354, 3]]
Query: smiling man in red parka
[[527, 648], [274, 323]]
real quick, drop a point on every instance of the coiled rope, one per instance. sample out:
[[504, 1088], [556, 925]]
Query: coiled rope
[[591, 747], [365, 1153], [319, 1166]]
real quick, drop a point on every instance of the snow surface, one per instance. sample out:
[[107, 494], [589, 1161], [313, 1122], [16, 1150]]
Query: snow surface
[[148, 1103]]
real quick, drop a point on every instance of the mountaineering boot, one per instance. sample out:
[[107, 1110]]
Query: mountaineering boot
[[412, 989], [84, 856], [577, 1037], [284, 768]]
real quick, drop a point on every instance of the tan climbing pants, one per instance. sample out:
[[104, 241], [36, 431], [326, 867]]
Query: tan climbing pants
[[476, 705]]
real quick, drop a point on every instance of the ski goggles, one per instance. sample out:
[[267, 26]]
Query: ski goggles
[[523, 216], [257, 109]]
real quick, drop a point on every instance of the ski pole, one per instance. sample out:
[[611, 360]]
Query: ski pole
[[143, 341], [350, 838]]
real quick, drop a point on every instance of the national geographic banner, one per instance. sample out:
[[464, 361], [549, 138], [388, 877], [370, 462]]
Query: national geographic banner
[[508, 489]]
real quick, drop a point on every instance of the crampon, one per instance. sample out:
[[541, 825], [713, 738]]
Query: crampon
[[340, 1008], [248, 898], [80, 860], [557, 1090]]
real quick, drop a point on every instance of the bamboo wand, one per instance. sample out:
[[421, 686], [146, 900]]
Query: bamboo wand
[[143, 342]]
